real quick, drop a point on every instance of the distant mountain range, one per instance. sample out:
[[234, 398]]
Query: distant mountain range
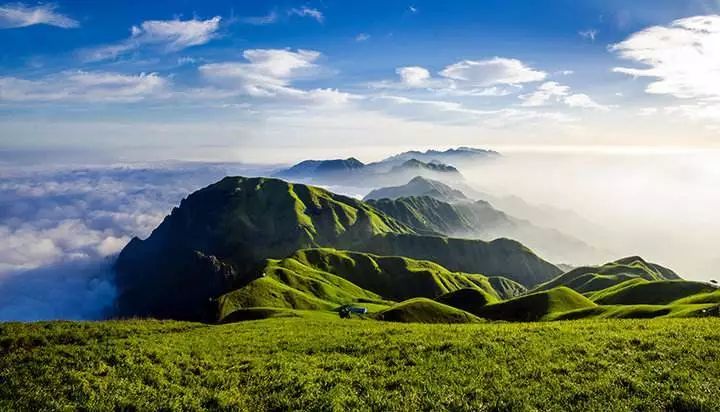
[[428, 205], [393, 170]]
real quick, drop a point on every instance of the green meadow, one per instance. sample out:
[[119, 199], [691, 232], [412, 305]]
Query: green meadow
[[314, 361]]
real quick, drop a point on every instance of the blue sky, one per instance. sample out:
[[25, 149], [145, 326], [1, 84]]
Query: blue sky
[[272, 81]]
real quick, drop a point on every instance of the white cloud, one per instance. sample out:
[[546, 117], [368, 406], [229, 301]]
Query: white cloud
[[413, 76], [412, 9], [682, 58], [166, 35], [544, 94], [589, 34], [307, 12], [554, 92], [495, 71], [494, 77], [583, 101], [362, 37], [19, 15], [269, 73], [84, 87]]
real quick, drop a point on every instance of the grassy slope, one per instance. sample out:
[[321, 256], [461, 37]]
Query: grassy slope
[[588, 279], [422, 310], [326, 278], [639, 312], [536, 306], [305, 364], [660, 292], [500, 257], [711, 297]]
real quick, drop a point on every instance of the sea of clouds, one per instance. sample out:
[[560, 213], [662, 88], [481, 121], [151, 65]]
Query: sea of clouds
[[62, 227]]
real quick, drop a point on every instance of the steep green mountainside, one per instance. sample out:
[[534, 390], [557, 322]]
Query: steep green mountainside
[[324, 279], [659, 292], [500, 257], [219, 237], [417, 187], [223, 232], [594, 278], [423, 310], [536, 306], [506, 288]]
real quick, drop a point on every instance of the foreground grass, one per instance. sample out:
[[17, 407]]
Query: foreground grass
[[327, 364]]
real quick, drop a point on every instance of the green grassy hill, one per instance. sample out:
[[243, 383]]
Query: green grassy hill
[[709, 297], [659, 292], [218, 240], [536, 306], [422, 310], [324, 279], [221, 233], [500, 257], [469, 300], [315, 364], [640, 312], [588, 279]]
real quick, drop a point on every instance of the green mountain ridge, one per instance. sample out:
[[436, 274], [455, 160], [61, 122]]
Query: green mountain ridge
[[588, 279], [431, 206], [217, 241]]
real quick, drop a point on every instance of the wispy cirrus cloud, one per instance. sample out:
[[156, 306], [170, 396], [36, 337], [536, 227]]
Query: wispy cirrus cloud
[[83, 86], [307, 12], [16, 15], [270, 18], [164, 35]]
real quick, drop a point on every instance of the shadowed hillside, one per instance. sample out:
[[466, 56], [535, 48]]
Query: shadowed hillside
[[536, 306]]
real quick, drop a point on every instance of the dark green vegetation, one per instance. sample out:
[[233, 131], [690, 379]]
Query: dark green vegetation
[[310, 363], [219, 239], [469, 300]]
